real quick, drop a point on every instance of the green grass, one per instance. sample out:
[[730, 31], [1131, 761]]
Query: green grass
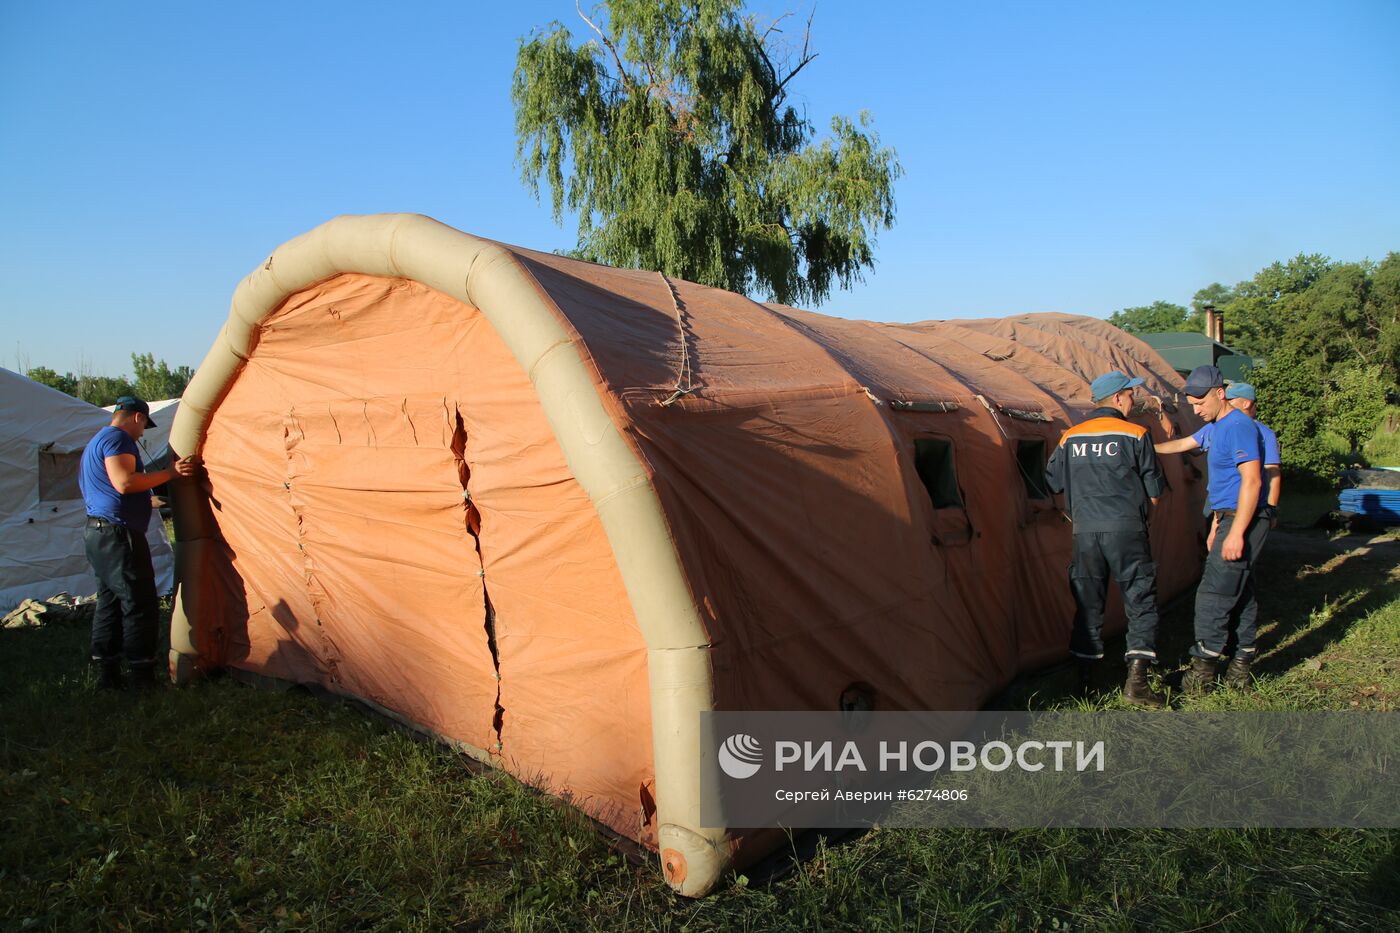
[[1383, 449], [222, 807]]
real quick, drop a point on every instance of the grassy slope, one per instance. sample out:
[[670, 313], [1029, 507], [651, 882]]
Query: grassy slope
[[222, 807]]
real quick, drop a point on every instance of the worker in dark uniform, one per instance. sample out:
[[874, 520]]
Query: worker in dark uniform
[[1108, 471]]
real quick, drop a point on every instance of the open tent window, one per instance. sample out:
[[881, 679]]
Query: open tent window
[[933, 458], [1030, 459]]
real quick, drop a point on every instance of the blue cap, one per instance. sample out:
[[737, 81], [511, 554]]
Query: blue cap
[[1202, 380], [132, 403], [1111, 384], [1240, 390]]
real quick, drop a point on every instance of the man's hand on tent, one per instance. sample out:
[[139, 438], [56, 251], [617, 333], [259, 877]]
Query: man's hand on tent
[[186, 466]]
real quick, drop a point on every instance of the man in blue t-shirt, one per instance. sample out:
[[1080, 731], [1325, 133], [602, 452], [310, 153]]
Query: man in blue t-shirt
[[1240, 395], [117, 492], [1238, 500]]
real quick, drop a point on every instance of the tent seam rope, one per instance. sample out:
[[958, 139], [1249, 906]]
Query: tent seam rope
[[683, 386]]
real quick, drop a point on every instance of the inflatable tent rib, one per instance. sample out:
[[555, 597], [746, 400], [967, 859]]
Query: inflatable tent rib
[[551, 511]]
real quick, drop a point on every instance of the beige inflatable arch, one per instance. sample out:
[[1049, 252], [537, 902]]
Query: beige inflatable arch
[[487, 277]]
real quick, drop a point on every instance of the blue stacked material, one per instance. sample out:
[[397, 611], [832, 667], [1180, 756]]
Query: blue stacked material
[[1379, 505]]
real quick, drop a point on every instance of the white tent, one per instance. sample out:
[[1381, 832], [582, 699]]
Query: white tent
[[42, 435]]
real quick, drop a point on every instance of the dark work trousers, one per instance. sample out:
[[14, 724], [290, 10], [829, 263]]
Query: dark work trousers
[[1225, 598], [127, 607], [1127, 556]]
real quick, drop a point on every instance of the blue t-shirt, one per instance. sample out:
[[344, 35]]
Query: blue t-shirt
[[1202, 437], [1234, 440], [1266, 434], [1270, 440], [103, 501]]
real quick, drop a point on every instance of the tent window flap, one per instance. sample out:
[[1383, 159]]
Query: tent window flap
[[1030, 459], [933, 458]]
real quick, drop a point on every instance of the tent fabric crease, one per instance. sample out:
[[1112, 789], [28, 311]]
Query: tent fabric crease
[[551, 511]]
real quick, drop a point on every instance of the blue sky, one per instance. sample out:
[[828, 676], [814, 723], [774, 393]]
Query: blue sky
[[1077, 157]]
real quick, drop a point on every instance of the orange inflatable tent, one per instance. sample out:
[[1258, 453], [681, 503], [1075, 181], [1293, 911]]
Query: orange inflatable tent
[[551, 511]]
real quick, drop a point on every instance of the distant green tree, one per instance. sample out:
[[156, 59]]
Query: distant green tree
[[1363, 312], [102, 390], [66, 383], [1213, 295], [1355, 403], [1288, 385], [671, 135], [1348, 313], [1160, 317], [156, 380], [1330, 332], [1265, 307]]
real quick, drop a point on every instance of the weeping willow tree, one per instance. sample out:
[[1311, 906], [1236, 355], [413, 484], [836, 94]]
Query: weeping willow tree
[[669, 134]]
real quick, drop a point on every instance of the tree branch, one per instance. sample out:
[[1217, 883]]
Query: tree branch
[[1356, 347], [624, 77], [805, 60], [774, 27], [772, 71]]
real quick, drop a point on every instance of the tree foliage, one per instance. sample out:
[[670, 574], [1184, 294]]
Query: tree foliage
[[670, 134], [1263, 308], [1160, 317], [93, 389], [155, 380], [1355, 403], [1340, 312], [1287, 386], [66, 383], [103, 390], [1213, 295], [1328, 334]]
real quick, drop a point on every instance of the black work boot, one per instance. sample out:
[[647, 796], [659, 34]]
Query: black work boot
[[1136, 690], [1085, 683], [143, 675], [1200, 679], [109, 675], [1238, 675]]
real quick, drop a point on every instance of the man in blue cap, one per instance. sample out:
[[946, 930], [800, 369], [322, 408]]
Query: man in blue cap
[[1108, 471], [1240, 395], [1240, 524], [117, 491]]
